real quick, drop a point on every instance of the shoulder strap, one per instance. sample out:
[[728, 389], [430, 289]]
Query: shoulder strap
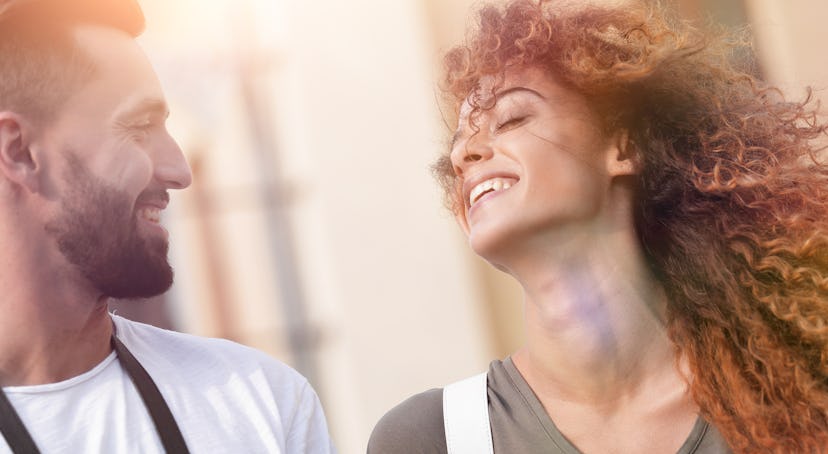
[[15, 433], [20, 441], [160, 413], [466, 417]]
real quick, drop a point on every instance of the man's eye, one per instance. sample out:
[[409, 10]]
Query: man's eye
[[140, 130], [143, 125]]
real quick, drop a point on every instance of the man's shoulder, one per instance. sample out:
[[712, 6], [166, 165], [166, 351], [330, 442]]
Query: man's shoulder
[[197, 375], [413, 426], [172, 351]]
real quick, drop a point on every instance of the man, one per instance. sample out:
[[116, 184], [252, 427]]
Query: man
[[85, 168]]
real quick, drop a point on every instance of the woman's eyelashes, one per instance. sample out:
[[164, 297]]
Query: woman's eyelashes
[[510, 122]]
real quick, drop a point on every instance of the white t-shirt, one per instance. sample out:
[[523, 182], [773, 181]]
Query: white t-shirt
[[225, 397]]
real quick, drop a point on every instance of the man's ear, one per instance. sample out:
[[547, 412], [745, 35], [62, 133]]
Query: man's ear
[[16, 161], [622, 159]]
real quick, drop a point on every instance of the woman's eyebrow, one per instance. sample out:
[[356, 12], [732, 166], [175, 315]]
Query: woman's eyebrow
[[517, 89], [498, 96]]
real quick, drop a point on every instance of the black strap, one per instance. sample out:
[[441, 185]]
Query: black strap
[[163, 419], [13, 429], [21, 442]]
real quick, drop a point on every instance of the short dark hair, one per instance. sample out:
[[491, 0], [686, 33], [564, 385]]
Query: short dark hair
[[40, 62]]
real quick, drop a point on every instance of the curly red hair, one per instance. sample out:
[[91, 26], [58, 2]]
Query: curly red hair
[[732, 198]]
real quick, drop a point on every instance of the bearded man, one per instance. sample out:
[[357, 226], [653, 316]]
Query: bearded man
[[86, 164]]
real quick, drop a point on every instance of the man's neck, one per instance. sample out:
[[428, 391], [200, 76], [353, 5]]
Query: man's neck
[[45, 349], [54, 327]]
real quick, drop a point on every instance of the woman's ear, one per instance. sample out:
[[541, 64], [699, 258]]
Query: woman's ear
[[622, 159], [16, 161]]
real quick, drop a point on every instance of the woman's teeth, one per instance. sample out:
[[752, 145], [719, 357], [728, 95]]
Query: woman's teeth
[[493, 185]]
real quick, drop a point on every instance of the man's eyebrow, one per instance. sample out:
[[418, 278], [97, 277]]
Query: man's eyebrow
[[498, 96], [152, 106]]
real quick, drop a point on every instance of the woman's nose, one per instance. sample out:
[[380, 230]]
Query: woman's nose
[[470, 151]]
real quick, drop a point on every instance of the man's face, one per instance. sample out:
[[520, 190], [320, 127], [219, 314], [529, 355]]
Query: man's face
[[98, 232], [110, 162]]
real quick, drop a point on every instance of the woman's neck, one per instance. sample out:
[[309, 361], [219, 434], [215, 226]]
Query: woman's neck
[[595, 319]]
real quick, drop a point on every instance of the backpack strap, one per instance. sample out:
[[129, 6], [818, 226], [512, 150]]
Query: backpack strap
[[466, 416]]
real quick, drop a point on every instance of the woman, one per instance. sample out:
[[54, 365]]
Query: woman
[[664, 212]]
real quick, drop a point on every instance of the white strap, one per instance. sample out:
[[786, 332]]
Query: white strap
[[466, 416]]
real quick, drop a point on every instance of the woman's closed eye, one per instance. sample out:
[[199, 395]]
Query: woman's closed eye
[[510, 123]]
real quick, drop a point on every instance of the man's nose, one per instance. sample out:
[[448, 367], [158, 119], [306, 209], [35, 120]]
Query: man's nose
[[171, 167]]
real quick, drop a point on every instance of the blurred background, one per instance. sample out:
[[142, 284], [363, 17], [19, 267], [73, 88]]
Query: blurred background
[[313, 230]]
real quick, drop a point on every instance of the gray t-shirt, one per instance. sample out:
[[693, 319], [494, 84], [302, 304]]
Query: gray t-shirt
[[519, 422]]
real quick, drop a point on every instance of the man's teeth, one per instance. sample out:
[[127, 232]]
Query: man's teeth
[[150, 214], [495, 184]]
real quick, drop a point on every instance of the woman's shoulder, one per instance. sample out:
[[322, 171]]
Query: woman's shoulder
[[413, 426]]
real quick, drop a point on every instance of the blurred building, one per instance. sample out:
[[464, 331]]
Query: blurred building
[[313, 229]]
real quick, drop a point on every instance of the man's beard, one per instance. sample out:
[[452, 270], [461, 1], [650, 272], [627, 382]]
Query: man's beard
[[97, 231]]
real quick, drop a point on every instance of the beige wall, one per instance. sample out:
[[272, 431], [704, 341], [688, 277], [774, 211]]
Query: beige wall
[[790, 38], [349, 106]]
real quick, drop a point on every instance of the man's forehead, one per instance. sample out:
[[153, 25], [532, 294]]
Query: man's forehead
[[97, 35], [124, 83], [113, 51]]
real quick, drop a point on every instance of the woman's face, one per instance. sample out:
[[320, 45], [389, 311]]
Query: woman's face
[[539, 165]]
